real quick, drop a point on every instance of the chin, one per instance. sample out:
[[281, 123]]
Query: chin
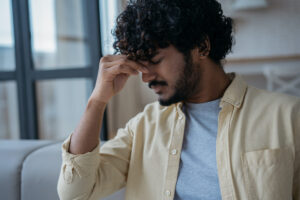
[[168, 101], [164, 103]]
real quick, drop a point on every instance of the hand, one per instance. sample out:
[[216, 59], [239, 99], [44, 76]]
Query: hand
[[114, 71]]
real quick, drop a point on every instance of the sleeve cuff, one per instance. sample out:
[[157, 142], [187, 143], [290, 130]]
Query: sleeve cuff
[[81, 164]]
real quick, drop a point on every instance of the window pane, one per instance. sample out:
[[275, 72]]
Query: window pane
[[60, 105], [59, 38], [7, 54], [109, 10], [9, 118]]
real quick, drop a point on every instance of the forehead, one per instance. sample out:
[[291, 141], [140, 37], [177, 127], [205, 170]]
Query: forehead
[[168, 51]]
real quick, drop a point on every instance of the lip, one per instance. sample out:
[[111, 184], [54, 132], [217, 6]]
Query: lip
[[157, 88]]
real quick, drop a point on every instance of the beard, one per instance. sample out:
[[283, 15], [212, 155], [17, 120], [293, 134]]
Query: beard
[[187, 83]]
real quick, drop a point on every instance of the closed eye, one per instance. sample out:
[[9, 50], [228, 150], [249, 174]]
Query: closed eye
[[156, 62]]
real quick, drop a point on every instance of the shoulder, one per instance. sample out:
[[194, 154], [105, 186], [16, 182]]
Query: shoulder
[[273, 100]]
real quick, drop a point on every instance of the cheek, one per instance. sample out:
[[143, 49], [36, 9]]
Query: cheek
[[170, 73]]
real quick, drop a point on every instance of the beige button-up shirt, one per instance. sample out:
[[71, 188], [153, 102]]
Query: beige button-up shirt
[[257, 151]]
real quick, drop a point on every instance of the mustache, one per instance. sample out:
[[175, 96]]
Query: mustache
[[153, 83]]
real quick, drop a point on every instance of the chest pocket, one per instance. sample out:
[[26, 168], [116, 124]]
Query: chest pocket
[[268, 174]]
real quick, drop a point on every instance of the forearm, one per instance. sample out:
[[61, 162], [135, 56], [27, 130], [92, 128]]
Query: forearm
[[86, 135]]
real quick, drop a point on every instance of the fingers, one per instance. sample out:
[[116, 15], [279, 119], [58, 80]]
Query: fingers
[[121, 69], [110, 58], [123, 64]]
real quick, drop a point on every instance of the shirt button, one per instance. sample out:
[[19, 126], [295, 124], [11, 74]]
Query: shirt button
[[168, 193], [174, 152], [180, 116]]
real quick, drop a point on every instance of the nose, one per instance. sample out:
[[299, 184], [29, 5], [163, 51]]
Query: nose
[[150, 75], [147, 77]]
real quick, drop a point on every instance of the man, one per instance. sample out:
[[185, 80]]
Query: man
[[209, 136]]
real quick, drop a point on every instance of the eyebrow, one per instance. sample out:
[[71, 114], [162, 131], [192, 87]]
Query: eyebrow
[[157, 54], [156, 60]]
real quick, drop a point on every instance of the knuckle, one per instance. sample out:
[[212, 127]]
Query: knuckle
[[103, 59], [122, 61], [102, 65], [120, 66]]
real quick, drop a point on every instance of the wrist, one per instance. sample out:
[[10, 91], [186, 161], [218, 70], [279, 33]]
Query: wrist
[[94, 101], [98, 96]]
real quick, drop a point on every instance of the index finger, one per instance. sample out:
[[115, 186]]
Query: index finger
[[112, 58], [137, 65], [123, 60]]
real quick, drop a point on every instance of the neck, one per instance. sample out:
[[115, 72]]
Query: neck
[[212, 84]]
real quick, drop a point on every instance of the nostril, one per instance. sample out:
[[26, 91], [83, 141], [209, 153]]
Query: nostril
[[146, 77]]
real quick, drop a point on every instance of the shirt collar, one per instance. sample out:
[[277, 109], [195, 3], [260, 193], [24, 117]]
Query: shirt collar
[[234, 94]]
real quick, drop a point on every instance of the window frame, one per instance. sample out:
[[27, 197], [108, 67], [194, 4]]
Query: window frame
[[26, 76]]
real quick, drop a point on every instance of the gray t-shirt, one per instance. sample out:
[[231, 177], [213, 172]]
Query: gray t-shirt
[[198, 175]]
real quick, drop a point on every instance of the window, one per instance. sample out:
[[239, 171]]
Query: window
[[49, 54]]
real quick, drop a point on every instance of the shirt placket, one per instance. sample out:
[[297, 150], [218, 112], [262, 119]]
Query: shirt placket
[[223, 154], [174, 155]]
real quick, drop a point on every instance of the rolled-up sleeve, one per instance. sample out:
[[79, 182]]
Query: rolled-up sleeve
[[98, 173]]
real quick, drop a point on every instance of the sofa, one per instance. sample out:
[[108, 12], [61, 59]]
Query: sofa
[[29, 170]]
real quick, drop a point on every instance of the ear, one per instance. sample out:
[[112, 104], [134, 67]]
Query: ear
[[204, 48]]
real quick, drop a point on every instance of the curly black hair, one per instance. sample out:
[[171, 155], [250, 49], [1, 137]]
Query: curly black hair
[[146, 25]]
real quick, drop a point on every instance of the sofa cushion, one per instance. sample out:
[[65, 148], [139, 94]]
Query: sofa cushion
[[40, 175], [12, 155]]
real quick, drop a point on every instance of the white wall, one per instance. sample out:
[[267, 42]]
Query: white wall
[[271, 31], [267, 37]]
